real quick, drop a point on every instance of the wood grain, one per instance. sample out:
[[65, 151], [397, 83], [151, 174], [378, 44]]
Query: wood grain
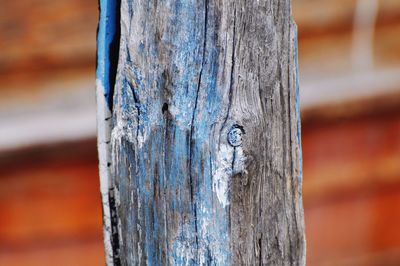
[[205, 141]]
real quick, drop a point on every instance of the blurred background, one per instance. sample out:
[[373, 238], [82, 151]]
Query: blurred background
[[349, 56]]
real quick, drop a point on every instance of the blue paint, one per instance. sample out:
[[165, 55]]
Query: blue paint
[[141, 47], [212, 228], [180, 146], [298, 102], [107, 56], [203, 231], [186, 59], [107, 46]]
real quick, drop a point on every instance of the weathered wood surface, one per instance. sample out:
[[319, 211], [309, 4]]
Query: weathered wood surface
[[201, 160]]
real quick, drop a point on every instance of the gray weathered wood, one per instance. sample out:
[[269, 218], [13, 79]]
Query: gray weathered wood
[[205, 138]]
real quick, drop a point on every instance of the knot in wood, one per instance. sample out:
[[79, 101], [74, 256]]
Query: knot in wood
[[235, 135]]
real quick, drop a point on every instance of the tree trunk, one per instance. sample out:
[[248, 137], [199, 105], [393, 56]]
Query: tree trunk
[[199, 133]]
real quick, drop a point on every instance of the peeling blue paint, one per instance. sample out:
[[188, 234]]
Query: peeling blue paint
[[298, 100], [108, 46], [107, 56], [203, 233], [163, 146]]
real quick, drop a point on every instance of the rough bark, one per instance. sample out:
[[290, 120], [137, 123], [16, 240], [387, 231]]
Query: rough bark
[[203, 160]]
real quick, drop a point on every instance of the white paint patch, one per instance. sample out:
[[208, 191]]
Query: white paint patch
[[103, 137], [126, 124], [107, 230], [103, 145], [223, 173], [230, 161], [239, 166], [183, 248], [141, 139]]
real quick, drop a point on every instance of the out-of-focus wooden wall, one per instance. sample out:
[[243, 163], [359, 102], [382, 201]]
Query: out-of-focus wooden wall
[[352, 188], [41, 38], [50, 206], [49, 193]]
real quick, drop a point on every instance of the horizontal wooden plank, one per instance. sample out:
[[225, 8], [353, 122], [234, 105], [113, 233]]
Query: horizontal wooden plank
[[81, 253], [349, 154], [351, 188], [42, 35], [54, 203], [361, 230], [48, 196], [66, 104], [333, 17], [329, 57]]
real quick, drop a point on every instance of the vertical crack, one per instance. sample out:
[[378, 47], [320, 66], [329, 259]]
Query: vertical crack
[[232, 71], [113, 54], [192, 127], [114, 228], [233, 66]]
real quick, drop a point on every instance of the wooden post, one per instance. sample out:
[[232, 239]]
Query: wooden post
[[199, 133]]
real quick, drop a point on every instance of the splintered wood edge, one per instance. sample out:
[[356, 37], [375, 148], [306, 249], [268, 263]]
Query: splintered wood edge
[[107, 33]]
